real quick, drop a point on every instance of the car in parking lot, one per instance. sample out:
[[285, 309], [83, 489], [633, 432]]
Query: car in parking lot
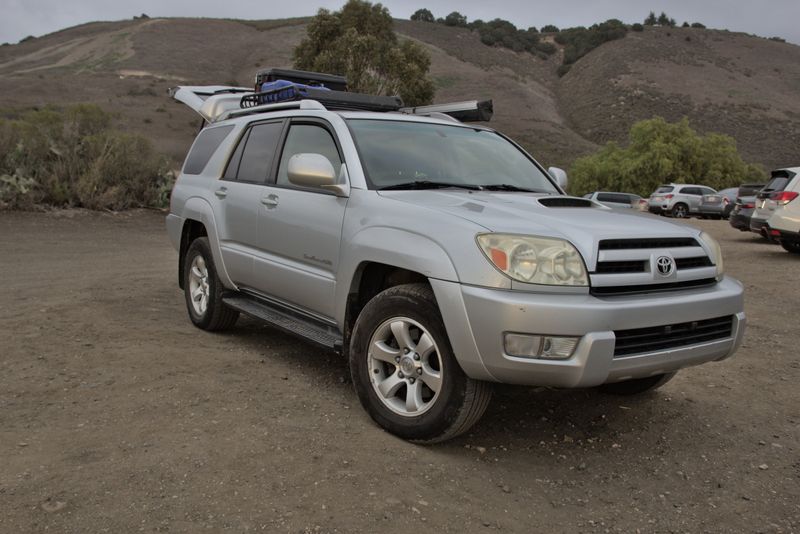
[[614, 200], [718, 205], [784, 223], [744, 206], [678, 200], [766, 203]]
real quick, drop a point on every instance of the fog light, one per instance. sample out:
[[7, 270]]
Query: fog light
[[533, 346]]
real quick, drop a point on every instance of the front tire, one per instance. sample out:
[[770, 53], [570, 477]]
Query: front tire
[[404, 370], [203, 289], [637, 386]]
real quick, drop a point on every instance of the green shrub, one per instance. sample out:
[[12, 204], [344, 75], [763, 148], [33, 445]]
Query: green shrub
[[549, 28], [423, 15], [659, 152], [637, 27], [72, 158], [580, 41], [698, 25], [456, 19]]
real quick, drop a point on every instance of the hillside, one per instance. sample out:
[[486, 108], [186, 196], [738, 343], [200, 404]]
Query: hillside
[[744, 86]]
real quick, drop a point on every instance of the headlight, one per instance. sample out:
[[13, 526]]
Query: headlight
[[535, 260], [716, 253]]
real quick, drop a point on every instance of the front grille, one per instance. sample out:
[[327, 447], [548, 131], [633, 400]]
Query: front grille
[[611, 291], [617, 267], [659, 242], [692, 263], [656, 338]]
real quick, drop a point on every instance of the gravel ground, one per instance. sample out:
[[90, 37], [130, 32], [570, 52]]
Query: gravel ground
[[117, 415]]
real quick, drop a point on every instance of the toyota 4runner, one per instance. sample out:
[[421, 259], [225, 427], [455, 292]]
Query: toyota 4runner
[[436, 256]]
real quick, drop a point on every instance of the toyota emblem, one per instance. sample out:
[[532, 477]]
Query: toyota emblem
[[665, 265]]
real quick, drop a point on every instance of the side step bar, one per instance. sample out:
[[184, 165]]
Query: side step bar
[[290, 321]]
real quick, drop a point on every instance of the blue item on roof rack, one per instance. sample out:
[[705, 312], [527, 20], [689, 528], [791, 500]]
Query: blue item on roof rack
[[282, 91]]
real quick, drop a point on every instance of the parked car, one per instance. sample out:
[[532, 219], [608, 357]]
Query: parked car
[[614, 200], [437, 257], [678, 200], [784, 223], [744, 206], [765, 204], [718, 205]]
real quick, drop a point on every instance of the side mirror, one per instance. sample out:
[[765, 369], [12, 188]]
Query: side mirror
[[560, 176], [311, 170]]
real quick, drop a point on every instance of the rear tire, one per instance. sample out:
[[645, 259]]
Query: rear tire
[[404, 370], [203, 289], [637, 386], [680, 211], [792, 248]]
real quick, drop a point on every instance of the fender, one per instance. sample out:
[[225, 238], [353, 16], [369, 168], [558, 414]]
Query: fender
[[382, 244], [198, 209]]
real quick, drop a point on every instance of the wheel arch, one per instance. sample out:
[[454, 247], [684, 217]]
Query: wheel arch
[[199, 221]]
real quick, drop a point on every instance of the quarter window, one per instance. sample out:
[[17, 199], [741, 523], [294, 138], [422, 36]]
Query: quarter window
[[204, 147]]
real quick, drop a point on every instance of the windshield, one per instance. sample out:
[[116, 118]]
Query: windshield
[[400, 155]]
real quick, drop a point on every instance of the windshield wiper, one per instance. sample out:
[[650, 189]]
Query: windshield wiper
[[427, 184], [510, 187]]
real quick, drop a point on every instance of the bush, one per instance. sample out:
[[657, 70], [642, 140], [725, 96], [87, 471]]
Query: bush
[[549, 28], [580, 41], [423, 15], [651, 19], [72, 158], [698, 25], [456, 19], [659, 152], [637, 27], [664, 20]]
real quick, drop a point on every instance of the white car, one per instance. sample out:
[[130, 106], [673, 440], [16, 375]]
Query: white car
[[784, 223]]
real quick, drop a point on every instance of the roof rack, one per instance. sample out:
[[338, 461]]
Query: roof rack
[[334, 100], [278, 106], [467, 111]]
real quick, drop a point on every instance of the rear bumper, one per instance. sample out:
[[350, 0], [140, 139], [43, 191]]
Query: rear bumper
[[477, 318], [758, 226], [740, 222]]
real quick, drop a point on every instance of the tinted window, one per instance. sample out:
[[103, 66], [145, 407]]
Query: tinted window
[[776, 184], [233, 163], [204, 147], [690, 191], [665, 189], [307, 139], [707, 191], [259, 152]]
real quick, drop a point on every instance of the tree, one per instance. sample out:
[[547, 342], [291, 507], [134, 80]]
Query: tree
[[549, 28], [456, 19], [359, 42], [685, 25], [661, 152], [664, 20], [637, 27], [423, 15], [651, 19], [698, 25]]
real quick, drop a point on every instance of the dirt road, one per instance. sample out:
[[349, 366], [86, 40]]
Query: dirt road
[[117, 415]]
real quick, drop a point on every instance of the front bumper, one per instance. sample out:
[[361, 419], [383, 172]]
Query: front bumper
[[476, 319]]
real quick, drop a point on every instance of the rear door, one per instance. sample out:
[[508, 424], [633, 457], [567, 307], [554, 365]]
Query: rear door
[[238, 197], [300, 228]]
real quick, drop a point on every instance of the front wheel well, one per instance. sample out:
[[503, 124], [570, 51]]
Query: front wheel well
[[191, 230], [370, 279]]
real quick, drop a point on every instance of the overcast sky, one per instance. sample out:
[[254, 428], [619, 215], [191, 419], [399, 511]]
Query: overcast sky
[[20, 18]]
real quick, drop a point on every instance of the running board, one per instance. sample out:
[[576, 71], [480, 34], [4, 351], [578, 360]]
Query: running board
[[290, 321]]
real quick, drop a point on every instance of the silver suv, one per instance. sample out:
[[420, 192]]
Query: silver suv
[[437, 257], [679, 200]]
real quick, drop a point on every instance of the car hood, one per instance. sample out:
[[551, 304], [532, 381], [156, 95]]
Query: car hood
[[524, 213]]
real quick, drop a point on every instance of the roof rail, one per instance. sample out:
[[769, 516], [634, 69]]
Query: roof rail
[[467, 111], [263, 108]]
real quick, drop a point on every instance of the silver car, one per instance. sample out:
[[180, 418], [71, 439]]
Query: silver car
[[678, 200], [437, 257]]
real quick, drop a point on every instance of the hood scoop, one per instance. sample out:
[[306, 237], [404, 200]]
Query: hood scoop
[[566, 202]]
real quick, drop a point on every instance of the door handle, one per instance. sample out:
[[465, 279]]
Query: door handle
[[222, 192], [270, 201]]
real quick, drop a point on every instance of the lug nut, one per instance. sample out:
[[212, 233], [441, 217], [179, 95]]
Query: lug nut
[[400, 374], [397, 359], [419, 371], [416, 356], [411, 379], [406, 351]]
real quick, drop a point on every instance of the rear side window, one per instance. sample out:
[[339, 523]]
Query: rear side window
[[258, 154], [665, 189], [204, 147]]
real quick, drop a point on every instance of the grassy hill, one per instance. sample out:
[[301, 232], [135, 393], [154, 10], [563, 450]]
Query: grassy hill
[[744, 86]]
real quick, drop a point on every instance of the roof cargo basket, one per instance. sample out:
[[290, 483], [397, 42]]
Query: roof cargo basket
[[333, 82], [336, 100], [468, 111]]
